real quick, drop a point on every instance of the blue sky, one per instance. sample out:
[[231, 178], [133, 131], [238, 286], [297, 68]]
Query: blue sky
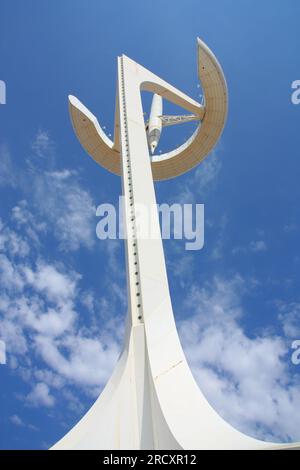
[[62, 299]]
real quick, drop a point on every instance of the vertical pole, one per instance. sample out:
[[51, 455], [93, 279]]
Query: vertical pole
[[146, 269], [131, 241], [135, 336]]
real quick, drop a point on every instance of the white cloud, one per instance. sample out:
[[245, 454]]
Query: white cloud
[[15, 419], [246, 379], [49, 378], [290, 228], [49, 345], [27, 222], [73, 403], [12, 243], [42, 145], [61, 175], [60, 198], [56, 285], [39, 321], [290, 318], [10, 275], [8, 176], [218, 249], [88, 300], [207, 173], [12, 333], [40, 395], [201, 181], [68, 208], [57, 196], [258, 245], [85, 361], [76, 226]]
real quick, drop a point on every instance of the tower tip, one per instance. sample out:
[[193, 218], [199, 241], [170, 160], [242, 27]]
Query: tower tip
[[72, 99], [153, 147]]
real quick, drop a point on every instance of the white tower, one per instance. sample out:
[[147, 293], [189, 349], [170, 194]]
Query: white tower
[[152, 400]]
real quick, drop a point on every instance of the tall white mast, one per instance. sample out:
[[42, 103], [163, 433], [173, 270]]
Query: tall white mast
[[152, 400]]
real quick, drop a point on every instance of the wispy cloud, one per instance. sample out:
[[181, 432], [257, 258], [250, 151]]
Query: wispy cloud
[[49, 344], [8, 176], [17, 421], [40, 396], [55, 195], [201, 181], [58, 355], [59, 197], [40, 322], [257, 246], [218, 248], [289, 316], [246, 379]]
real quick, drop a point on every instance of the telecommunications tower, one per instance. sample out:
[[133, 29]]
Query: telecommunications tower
[[152, 400]]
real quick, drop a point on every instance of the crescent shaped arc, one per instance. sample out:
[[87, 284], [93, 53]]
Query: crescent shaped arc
[[168, 165], [92, 137], [207, 134]]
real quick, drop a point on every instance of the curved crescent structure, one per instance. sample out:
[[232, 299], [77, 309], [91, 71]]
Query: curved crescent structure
[[152, 400], [191, 153]]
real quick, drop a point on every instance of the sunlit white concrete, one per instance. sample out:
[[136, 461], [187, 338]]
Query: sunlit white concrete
[[152, 400]]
